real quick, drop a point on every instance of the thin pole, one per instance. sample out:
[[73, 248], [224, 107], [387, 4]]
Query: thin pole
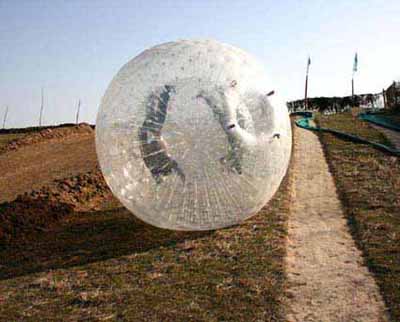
[[355, 68], [77, 112], [41, 109], [305, 93], [384, 98], [306, 85], [5, 117]]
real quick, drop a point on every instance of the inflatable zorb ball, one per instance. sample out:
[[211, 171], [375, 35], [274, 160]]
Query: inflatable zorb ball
[[191, 136]]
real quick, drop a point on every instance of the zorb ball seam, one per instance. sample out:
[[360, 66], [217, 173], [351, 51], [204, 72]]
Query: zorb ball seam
[[189, 136]]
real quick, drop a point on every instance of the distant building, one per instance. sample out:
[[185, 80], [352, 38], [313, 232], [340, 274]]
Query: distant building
[[393, 96]]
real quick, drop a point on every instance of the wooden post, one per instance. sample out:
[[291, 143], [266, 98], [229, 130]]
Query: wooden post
[[5, 117], [77, 112], [384, 98], [41, 109], [352, 91], [305, 93]]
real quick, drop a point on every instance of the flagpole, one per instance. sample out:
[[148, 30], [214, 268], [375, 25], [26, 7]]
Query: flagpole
[[306, 85], [5, 117], [355, 68], [305, 93]]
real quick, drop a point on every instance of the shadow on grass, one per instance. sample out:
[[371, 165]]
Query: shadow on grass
[[86, 237]]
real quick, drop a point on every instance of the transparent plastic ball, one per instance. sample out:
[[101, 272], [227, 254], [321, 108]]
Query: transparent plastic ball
[[191, 135]]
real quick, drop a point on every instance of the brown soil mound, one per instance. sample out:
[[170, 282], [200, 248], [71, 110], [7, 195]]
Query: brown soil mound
[[48, 134], [36, 210]]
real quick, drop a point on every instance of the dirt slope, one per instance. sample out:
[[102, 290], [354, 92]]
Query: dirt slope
[[33, 166]]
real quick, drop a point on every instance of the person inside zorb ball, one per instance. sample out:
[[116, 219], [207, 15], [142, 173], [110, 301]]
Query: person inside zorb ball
[[191, 135]]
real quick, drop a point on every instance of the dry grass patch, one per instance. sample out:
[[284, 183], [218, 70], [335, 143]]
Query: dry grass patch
[[368, 182], [106, 265]]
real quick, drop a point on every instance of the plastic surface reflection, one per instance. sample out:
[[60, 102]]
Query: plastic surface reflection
[[191, 136]]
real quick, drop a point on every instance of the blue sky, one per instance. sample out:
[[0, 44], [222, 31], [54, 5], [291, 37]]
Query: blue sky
[[74, 48]]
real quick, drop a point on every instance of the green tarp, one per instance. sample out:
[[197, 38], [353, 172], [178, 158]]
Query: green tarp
[[381, 120], [304, 123]]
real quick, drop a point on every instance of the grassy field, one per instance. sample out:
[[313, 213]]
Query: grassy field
[[368, 182], [392, 115], [106, 265]]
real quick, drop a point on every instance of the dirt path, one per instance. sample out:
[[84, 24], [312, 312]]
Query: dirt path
[[327, 279], [31, 167], [391, 135]]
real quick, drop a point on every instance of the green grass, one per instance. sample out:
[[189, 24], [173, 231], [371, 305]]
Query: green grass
[[107, 265], [368, 182], [393, 117]]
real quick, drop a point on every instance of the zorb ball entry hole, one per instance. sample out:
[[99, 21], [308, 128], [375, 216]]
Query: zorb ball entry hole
[[189, 136]]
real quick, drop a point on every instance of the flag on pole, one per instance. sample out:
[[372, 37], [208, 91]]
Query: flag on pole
[[308, 64], [355, 64]]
